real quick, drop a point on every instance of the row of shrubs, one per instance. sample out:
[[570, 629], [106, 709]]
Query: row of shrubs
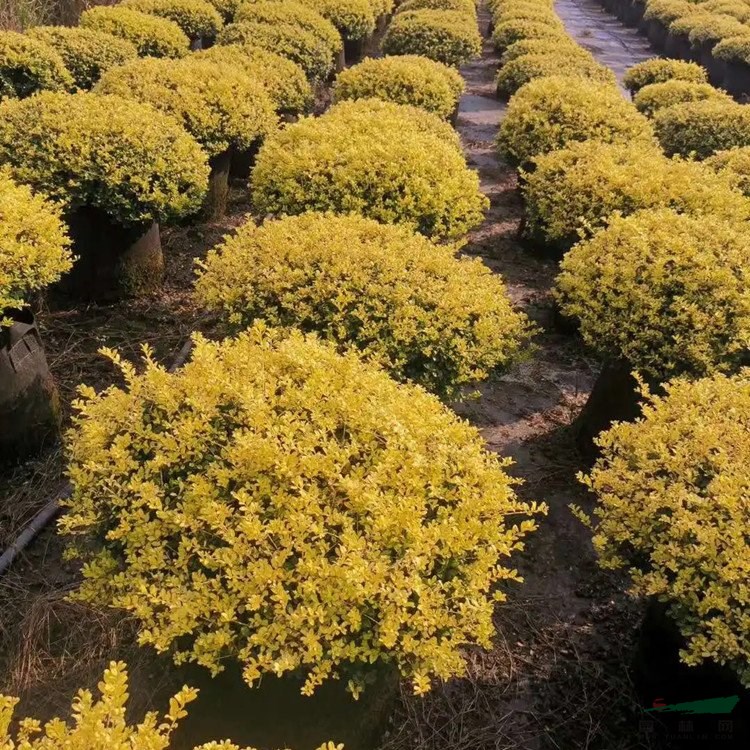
[[296, 497], [655, 270]]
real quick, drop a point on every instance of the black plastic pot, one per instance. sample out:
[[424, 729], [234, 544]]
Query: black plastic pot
[[715, 68], [29, 404], [354, 50], [614, 398], [678, 47], [113, 261], [634, 13], [275, 713], [657, 33], [737, 79], [217, 197]]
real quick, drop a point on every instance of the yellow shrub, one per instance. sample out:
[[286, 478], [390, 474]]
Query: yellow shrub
[[543, 47], [707, 28], [667, 11], [87, 53], [33, 243], [152, 36], [553, 112], [448, 36], [270, 470], [284, 81], [467, 7], [227, 8], [656, 96], [575, 190], [295, 14], [126, 158], [289, 40], [218, 104], [659, 70], [101, 723], [392, 296], [519, 71], [372, 158], [666, 292], [673, 511], [733, 164], [403, 79], [699, 129], [28, 65], [516, 30], [197, 18], [355, 19], [734, 8], [735, 48]]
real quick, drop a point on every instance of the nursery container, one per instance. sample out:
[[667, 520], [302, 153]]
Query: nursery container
[[113, 261], [275, 714], [737, 78], [634, 13], [29, 404], [657, 33], [716, 69], [678, 47]]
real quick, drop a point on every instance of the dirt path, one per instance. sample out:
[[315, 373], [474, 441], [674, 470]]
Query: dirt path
[[558, 676]]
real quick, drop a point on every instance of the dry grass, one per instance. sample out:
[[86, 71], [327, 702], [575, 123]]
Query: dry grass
[[21, 14]]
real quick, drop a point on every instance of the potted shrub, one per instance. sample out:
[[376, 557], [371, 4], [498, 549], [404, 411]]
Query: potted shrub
[[227, 8], [734, 52], [573, 192], [151, 35], [355, 20], [672, 512], [34, 252], [551, 113], [104, 719], [701, 128], [87, 53], [284, 81], [515, 30], [447, 36], [284, 472], [543, 47], [653, 98], [659, 293], [659, 70], [414, 308], [403, 79], [224, 109], [298, 44], [388, 162], [465, 6], [28, 65], [519, 71], [659, 15], [120, 167], [198, 19], [705, 35]]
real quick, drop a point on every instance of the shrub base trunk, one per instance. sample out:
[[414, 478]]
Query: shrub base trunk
[[29, 403], [113, 261], [215, 204]]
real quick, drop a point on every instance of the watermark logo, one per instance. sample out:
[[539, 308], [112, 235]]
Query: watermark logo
[[705, 706]]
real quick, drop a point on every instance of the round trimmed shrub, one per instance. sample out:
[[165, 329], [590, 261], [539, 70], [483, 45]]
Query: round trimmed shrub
[[667, 11], [699, 129], [657, 96], [124, 158], [707, 28], [285, 472], [355, 19], [197, 18], [105, 719], [660, 70], [733, 164], [293, 13], [550, 113], [392, 296], [543, 47], [87, 53], [299, 45], [389, 169], [517, 30], [446, 36], [219, 105], [151, 35], [464, 6], [403, 79], [284, 81], [33, 243], [672, 510], [666, 292], [734, 8], [519, 71], [576, 190], [28, 65], [735, 48], [227, 8]]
